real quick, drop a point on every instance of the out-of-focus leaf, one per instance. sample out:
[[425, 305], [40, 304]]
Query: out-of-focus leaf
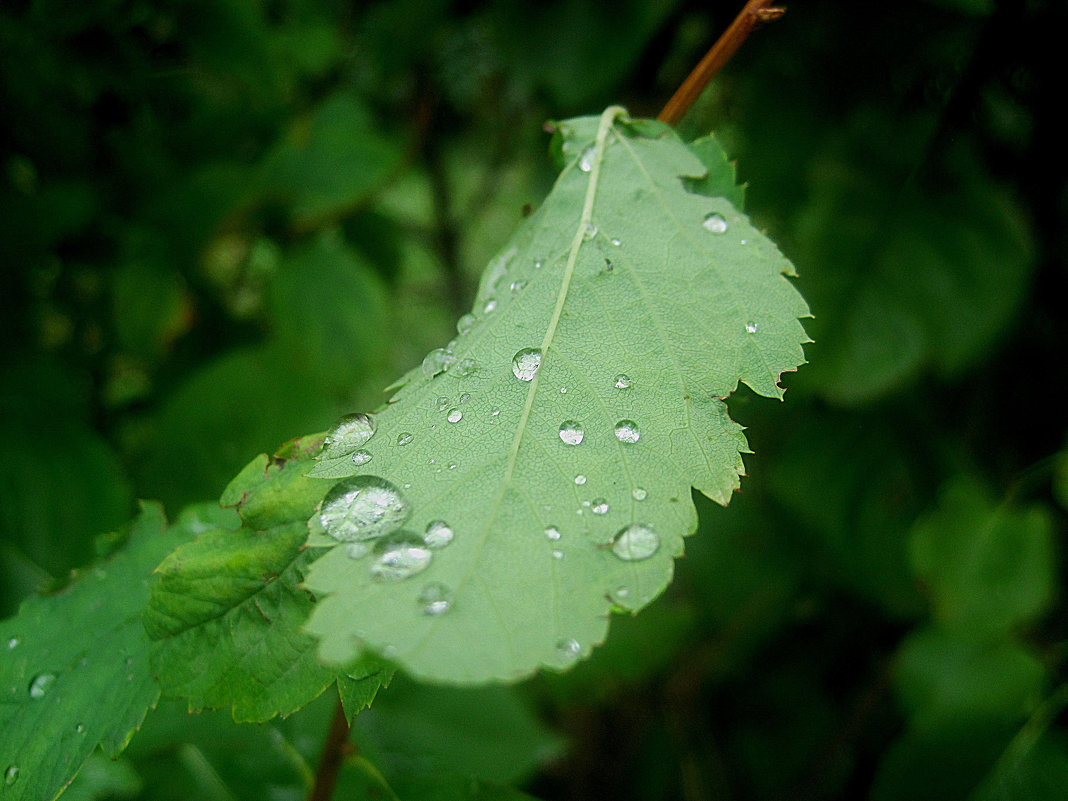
[[986, 568], [103, 779], [645, 304], [1037, 772], [75, 670]]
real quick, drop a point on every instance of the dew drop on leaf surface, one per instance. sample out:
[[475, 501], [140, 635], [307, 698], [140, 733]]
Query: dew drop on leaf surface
[[552, 533], [11, 775], [455, 416], [438, 534], [635, 542], [13, 643], [600, 506], [401, 556], [404, 438], [586, 159], [572, 432], [525, 363], [622, 381], [751, 327], [465, 324], [437, 361], [466, 367], [580, 479], [348, 433], [435, 599], [627, 431], [639, 494], [361, 457], [569, 649], [40, 684], [716, 223], [363, 508]]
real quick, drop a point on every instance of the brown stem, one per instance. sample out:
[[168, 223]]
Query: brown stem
[[755, 13], [335, 749]]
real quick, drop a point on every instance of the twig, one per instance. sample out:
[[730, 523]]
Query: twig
[[335, 749], [755, 13]]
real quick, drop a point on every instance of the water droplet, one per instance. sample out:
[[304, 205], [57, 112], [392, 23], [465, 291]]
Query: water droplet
[[590, 232], [11, 775], [568, 649], [525, 363], [442, 403], [466, 367], [40, 684], [627, 431], [571, 432], [13, 643], [751, 327], [617, 242], [539, 263], [399, 557], [635, 542], [79, 728], [716, 223], [600, 506], [361, 457], [404, 438], [580, 479], [465, 397], [437, 361], [586, 159], [517, 286], [622, 592], [435, 599], [622, 381], [455, 416], [495, 417], [552, 533], [348, 433], [363, 508], [358, 550], [438, 534], [557, 554], [465, 324], [639, 494], [490, 307], [563, 390]]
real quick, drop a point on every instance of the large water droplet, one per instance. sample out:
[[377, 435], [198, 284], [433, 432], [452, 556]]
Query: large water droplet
[[399, 557], [580, 479], [751, 327], [348, 433], [622, 381], [40, 684], [552, 533], [639, 494], [404, 438], [11, 775], [437, 361], [525, 363], [572, 432], [435, 599], [568, 649], [635, 542], [438, 534], [716, 223], [455, 416], [361, 458], [466, 367], [627, 431], [600, 506], [363, 508], [465, 324], [586, 159]]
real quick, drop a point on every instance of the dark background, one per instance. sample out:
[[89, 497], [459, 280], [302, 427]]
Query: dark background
[[224, 223]]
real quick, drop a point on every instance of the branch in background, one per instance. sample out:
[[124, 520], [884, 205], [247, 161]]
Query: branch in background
[[335, 749], [755, 13]]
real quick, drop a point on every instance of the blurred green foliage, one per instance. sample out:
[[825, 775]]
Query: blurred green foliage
[[224, 223]]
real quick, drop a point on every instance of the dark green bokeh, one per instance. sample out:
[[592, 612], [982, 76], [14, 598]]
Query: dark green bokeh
[[223, 224]]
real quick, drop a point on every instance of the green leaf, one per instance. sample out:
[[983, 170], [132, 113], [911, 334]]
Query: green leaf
[[642, 313], [75, 670], [987, 568]]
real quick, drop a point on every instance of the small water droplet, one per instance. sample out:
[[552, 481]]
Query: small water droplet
[[617, 242], [13, 643], [79, 728], [455, 416], [622, 381], [716, 223], [600, 506], [363, 508], [552, 533], [442, 403], [438, 534], [580, 479], [11, 775], [404, 438], [635, 542], [358, 550], [437, 361], [627, 431], [361, 457], [465, 324], [539, 263], [622, 592], [465, 397], [490, 307], [452, 466], [586, 159], [563, 390], [557, 554], [466, 367], [40, 684], [568, 649], [517, 286], [571, 432], [525, 363], [401, 556], [435, 599], [495, 417], [639, 494], [348, 433], [590, 232], [751, 327]]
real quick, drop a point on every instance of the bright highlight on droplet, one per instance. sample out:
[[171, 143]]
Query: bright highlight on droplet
[[361, 458], [716, 223], [627, 431], [435, 599], [40, 685], [751, 327], [599, 506], [586, 159], [635, 542], [552, 533], [525, 363], [622, 381], [438, 534], [572, 432], [455, 416], [404, 438]]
